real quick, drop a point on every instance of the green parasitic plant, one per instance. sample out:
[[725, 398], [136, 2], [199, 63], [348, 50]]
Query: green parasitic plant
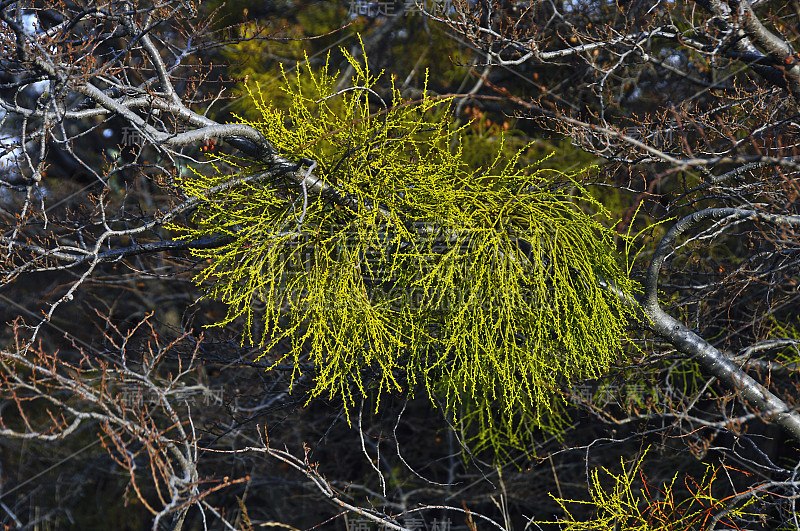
[[629, 501], [479, 285]]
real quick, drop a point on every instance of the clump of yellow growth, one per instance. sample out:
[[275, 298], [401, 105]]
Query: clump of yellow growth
[[669, 507], [479, 285]]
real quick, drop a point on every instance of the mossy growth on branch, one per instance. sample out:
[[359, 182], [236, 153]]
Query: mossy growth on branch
[[478, 285]]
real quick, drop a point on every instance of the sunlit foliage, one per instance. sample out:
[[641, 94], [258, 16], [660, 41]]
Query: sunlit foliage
[[627, 501], [480, 286]]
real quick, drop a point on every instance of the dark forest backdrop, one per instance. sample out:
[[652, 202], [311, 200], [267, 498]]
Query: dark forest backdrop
[[228, 278]]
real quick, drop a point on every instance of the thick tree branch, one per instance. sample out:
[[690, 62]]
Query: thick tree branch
[[715, 362]]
